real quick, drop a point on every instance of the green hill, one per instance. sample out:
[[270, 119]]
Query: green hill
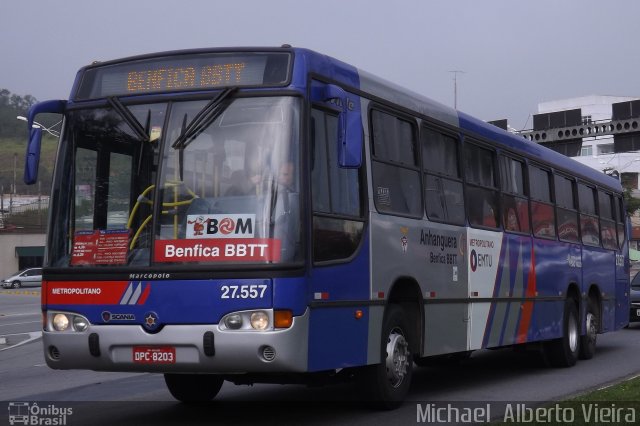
[[13, 143], [14, 149]]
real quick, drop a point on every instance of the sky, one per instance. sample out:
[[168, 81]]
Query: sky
[[513, 53]]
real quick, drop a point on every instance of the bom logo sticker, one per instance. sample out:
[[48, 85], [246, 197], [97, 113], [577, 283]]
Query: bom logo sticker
[[220, 226]]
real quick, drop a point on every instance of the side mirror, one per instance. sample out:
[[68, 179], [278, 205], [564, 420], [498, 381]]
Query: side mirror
[[32, 157], [349, 123]]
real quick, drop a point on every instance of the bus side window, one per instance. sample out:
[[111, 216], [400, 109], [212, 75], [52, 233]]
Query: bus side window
[[515, 206], [620, 220], [338, 222], [482, 194], [566, 209], [543, 218], [443, 194], [589, 226], [607, 221], [396, 177]]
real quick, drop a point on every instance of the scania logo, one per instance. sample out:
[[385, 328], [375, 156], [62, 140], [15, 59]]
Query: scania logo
[[108, 316], [151, 321]]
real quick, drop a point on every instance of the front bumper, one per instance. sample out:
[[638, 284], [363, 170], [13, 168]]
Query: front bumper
[[235, 351]]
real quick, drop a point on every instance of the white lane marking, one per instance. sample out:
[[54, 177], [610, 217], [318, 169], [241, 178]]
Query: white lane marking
[[19, 315], [32, 336], [18, 323]]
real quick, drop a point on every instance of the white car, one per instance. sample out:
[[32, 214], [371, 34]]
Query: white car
[[26, 277]]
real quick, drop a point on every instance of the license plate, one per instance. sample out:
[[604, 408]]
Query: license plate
[[154, 355]]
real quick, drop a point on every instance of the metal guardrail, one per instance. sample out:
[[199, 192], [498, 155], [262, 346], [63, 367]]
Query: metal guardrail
[[23, 214]]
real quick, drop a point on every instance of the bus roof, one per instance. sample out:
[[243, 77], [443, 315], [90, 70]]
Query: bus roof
[[308, 61], [407, 99]]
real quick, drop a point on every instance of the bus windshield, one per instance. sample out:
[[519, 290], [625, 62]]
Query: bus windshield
[[228, 193]]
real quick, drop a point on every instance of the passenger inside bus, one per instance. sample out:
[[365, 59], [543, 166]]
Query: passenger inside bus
[[245, 181], [286, 176]]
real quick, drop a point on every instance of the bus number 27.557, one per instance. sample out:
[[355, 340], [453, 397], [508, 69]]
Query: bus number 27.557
[[253, 291]]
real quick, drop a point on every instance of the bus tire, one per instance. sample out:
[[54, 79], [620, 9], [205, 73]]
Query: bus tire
[[193, 387], [387, 383], [588, 341], [563, 352]]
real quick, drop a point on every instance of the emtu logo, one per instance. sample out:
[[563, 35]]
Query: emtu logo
[[480, 260]]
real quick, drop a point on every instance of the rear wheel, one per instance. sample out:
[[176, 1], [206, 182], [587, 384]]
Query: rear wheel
[[563, 352], [588, 341], [193, 387], [387, 383], [16, 284]]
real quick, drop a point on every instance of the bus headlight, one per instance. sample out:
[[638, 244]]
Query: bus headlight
[[259, 320], [80, 323], [255, 320], [60, 322], [66, 322], [233, 321]]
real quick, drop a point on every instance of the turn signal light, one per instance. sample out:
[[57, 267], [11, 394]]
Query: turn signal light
[[282, 319]]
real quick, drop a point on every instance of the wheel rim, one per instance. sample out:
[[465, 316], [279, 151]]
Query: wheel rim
[[592, 331], [573, 333], [398, 357]]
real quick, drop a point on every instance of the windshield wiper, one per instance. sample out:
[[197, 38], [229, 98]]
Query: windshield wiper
[[129, 118], [203, 119]]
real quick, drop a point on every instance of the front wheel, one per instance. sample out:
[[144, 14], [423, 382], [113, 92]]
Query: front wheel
[[16, 284], [563, 352], [387, 383], [193, 387]]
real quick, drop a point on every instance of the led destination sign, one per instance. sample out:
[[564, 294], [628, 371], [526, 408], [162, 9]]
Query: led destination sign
[[152, 80], [184, 72]]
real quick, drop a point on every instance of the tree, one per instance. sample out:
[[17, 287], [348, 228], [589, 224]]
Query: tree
[[632, 203], [12, 105]]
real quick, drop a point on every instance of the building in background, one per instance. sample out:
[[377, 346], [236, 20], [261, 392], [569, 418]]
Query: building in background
[[609, 152], [22, 232]]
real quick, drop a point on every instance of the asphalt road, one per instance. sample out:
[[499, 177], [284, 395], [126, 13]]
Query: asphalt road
[[95, 398]]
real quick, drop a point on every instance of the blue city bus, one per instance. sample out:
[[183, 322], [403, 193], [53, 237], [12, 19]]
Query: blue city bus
[[276, 215]]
